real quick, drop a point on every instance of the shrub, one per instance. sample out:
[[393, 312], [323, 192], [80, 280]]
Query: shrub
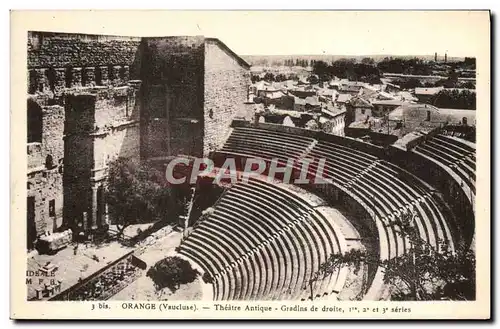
[[171, 272], [207, 278]]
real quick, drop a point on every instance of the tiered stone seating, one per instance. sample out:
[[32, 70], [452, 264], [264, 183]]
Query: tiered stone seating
[[431, 219], [265, 144], [277, 241], [342, 163], [463, 132], [388, 191], [264, 242], [451, 152]]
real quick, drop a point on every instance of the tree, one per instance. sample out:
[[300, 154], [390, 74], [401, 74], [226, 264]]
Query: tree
[[136, 193], [372, 79], [255, 78], [391, 65], [424, 272], [468, 85], [368, 61], [312, 125], [410, 83], [269, 77], [471, 62], [171, 272], [344, 68], [312, 79], [407, 66], [280, 77], [455, 99], [453, 78], [322, 70]]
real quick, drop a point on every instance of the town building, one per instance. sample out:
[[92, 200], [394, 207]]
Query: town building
[[342, 100], [332, 121], [358, 109], [351, 87], [384, 107], [412, 116], [425, 94]]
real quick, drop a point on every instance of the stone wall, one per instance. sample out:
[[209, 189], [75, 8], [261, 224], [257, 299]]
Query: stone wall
[[46, 188], [47, 49], [45, 168], [121, 141], [95, 108], [79, 154], [226, 88], [63, 60], [116, 105], [78, 162], [53, 133], [172, 73], [35, 156], [101, 124]]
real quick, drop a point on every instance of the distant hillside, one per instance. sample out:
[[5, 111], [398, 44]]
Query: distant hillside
[[272, 60]]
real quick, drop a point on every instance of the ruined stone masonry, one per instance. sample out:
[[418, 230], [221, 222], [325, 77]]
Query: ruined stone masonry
[[92, 98]]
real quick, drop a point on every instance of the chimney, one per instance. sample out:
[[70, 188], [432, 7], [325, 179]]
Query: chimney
[[435, 57], [445, 57]]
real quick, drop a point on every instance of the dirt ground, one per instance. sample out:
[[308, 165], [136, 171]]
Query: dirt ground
[[143, 288]]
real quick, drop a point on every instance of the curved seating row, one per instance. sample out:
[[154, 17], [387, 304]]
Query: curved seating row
[[271, 240], [387, 189], [467, 133], [263, 242], [265, 144], [451, 152]]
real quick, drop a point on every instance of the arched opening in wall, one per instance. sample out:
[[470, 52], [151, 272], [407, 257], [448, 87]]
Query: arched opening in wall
[[52, 214], [60, 168], [35, 122], [49, 162], [122, 73], [51, 78], [30, 216], [32, 82], [111, 74], [98, 76], [132, 72], [101, 209], [84, 77], [69, 76]]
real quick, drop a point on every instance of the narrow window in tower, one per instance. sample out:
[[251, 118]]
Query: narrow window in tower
[[52, 208]]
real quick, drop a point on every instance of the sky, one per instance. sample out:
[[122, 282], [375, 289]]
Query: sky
[[458, 33]]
